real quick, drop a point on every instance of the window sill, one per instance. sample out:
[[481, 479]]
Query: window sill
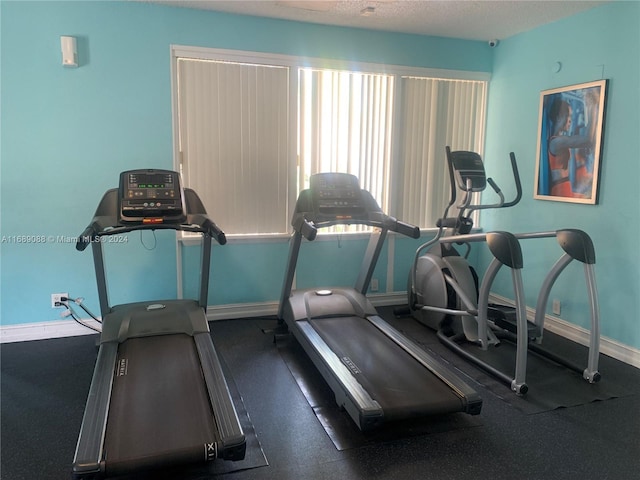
[[188, 239]]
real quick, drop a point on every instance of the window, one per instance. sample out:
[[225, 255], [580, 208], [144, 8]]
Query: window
[[234, 132], [252, 128], [345, 121], [434, 113]]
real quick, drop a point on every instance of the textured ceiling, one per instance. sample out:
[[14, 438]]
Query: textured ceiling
[[466, 19]]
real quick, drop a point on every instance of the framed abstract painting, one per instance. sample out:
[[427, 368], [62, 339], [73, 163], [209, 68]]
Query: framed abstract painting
[[570, 134]]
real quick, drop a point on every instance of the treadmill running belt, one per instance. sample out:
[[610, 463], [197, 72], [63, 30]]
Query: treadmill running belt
[[402, 386], [159, 404]]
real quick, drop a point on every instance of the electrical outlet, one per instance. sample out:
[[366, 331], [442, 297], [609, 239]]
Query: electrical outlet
[[555, 308], [374, 285], [56, 301]]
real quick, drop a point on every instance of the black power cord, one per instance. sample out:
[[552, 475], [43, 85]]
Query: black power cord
[[71, 312]]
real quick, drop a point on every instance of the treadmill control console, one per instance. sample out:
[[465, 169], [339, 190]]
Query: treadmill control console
[[336, 195], [151, 196]]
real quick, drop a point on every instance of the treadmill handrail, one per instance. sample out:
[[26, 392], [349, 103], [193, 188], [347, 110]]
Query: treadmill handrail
[[92, 234], [305, 221], [105, 221]]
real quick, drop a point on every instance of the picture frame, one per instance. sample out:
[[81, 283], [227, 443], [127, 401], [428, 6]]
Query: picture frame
[[570, 135]]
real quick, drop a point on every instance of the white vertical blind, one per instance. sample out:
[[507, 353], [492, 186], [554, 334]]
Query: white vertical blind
[[345, 122], [434, 113], [236, 134], [234, 137]]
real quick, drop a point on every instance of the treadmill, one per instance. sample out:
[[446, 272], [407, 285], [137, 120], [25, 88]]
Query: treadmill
[[158, 397], [377, 374]]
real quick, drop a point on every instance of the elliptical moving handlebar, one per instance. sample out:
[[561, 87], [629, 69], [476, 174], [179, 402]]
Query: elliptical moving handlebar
[[466, 175], [516, 178]]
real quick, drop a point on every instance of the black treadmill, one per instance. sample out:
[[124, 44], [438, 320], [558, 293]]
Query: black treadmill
[[377, 374], [158, 397]]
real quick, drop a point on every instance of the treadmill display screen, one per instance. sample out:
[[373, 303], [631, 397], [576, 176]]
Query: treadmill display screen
[[336, 194], [151, 196]]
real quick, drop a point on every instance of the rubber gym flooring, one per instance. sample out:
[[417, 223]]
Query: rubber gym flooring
[[295, 431]]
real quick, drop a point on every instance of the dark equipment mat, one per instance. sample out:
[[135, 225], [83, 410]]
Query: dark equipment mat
[[44, 391], [551, 386], [340, 428]]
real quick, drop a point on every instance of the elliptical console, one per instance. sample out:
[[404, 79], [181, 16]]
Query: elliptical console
[[468, 167], [151, 196]]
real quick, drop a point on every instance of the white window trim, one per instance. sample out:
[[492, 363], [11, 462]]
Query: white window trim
[[294, 62], [317, 62]]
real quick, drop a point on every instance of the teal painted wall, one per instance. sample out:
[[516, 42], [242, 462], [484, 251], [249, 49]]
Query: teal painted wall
[[68, 133], [240, 273], [600, 43]]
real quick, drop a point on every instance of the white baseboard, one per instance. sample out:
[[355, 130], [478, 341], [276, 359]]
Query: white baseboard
[[25, 332], [44, 330], [69, 328], [241, 310]]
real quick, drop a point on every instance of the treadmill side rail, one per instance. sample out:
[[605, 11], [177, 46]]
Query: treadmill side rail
[[232, 439], [470, 398], [364, 410], [88, 456]]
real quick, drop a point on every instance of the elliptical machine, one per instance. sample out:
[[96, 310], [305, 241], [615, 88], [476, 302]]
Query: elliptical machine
[[430, 300], [444, 291]]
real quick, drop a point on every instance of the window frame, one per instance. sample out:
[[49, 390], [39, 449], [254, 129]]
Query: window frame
[[293, 62]]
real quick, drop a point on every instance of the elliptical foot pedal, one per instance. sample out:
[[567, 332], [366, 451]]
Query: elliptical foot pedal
[[402, 311], [505, 317]]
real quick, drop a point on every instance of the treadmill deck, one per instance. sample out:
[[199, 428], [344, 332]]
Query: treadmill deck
[[159, 410], [402, 386]]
